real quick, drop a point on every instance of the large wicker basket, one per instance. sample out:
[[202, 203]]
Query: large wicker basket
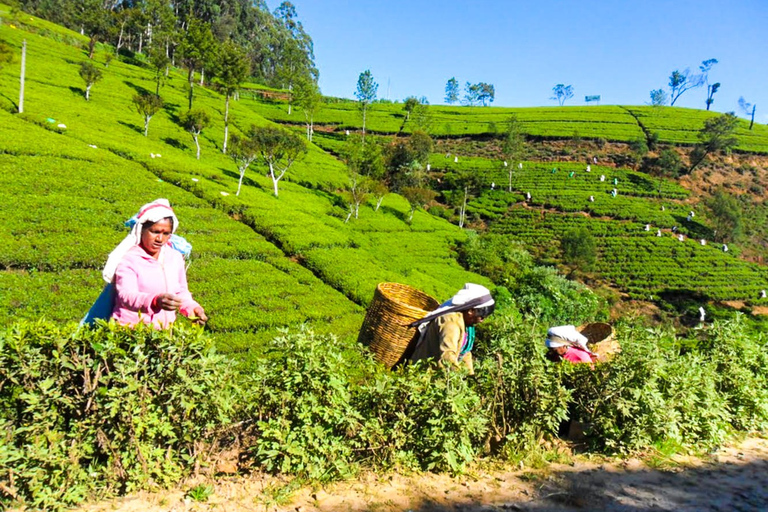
[[601, 342], [385, 328]]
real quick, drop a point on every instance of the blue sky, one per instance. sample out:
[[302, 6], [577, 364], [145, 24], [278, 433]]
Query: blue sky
[[619, 49]]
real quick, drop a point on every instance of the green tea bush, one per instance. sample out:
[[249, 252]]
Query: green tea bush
[[93, 412], [325, 408]]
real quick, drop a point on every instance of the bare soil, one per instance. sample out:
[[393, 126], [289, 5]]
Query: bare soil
[[732, 478]]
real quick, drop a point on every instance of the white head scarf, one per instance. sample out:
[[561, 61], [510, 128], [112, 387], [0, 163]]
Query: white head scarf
[[469, 297], [566, 336], [152, 212]]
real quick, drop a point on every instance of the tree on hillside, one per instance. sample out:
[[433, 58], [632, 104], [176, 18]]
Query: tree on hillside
[[379, 190], [417, 197], [726, 216], [94, 22], [243, 152], [421, 145], [659, 98], [717, 135], [463, 185], [278, 148], [160, 63], [513, 145], [308, 98], [562, 93], [409, 104], [365, 94], [357, 191], [231, 70], [452, 91], [147, 105], [486, 93], [195, 50], [471, 94], [579, 249], [667, 165], [748, 109], [294, 52], [705, 67], [366, 160], [420, 116], [682, 82], [194, 121], [90, 75]]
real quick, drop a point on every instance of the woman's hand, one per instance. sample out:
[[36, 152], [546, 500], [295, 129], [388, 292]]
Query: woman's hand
[[167, 301], [199, 316]]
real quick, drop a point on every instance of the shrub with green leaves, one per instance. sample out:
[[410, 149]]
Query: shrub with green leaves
[[93, 412]]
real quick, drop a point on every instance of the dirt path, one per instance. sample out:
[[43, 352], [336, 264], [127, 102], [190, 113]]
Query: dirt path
[[732, 479]]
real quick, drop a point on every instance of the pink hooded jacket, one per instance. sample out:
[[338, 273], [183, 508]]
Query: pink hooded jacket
[[139, 278]]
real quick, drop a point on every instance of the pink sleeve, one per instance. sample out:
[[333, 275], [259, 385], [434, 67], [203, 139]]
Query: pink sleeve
[[188, 304], [127, 287], [575, 355]]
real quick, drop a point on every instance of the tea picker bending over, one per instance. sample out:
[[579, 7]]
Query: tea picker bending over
[[149, 274], [447, 334], [565, 342]]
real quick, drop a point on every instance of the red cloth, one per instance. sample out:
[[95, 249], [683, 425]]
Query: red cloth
[[576, 355], [139, 278]]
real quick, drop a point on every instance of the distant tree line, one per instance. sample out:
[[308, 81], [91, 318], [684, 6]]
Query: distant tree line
[[278, 49]]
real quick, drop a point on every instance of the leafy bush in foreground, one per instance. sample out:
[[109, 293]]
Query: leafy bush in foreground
[[107, 410]]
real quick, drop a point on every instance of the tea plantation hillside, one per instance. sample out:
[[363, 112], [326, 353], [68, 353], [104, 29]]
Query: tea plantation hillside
[[259, 262], [673, 125]]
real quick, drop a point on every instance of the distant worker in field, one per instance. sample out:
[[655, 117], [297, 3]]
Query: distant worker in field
[[149, 275], [565, 342], [447, 334]]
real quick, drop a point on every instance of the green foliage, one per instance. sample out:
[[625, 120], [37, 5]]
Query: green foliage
[[562, 93], [90, 75], [452, 91], [6, 54], [98, 411], [726, 216], [324, 409], [200, 493], [579, 248], [147, 105]]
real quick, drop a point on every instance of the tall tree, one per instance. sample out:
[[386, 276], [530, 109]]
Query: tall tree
[[726, 215], [562, 93], [278, 149], [196, 49], [160, 63], [243, 152], [417, 197], [717, 135], [513, 146], [705, 67], [486, 94], [682, 82], [748, 109], [294, 52], [365, 94], [308, 98], [94, 22], [90, 75], [195, 121], [409, 104], [658, 97], [579, 248], [357, 191], [231, 71], [147, 105], [471, 94], [452, 91]]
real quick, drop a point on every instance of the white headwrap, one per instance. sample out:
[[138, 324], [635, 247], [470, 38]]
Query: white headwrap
[[566, 336], [469, 297], [152, 212]]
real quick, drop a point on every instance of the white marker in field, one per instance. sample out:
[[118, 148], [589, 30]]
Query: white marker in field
[[703, 242], [702, 314], [528, 195], [763, 294], [520, 165], [505, 163], [456, 159], [429, 167], [591, 199], [589, 168], [647, 227], [493, 185], [602, 177], [725, 247], [658, 232], [680, 237]]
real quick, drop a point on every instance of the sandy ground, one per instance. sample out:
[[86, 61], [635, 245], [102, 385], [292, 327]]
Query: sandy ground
[[734, 478]]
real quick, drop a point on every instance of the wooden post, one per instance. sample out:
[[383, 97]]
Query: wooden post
[[23, 72]]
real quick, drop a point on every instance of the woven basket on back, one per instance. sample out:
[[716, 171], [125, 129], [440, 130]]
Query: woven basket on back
[[601, 342], [385, 328]]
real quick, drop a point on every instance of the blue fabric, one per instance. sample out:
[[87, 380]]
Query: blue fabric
[[102, 308], [469, 342], [181, 245]]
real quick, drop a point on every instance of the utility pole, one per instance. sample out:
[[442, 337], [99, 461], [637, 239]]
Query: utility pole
[[23, 71]]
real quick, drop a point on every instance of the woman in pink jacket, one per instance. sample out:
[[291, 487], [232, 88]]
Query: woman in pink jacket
[[149, 275]]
